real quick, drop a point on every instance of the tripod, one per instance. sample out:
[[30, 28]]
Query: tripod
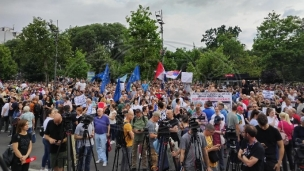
[[146, 142], [163, 151], [197, 149], [83, 153], [70, 155], [116, 157], [232, 158]]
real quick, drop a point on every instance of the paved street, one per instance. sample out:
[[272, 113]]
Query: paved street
[[38, 150]]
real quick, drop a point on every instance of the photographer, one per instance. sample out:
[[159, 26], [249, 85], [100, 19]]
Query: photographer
[[54, 134], [188, 149], [85, 143], [138, 124], [251, 152], [151, 125]]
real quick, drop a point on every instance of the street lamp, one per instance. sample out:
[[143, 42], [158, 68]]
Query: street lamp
[[6, 29], [55, 31], [159, 18]]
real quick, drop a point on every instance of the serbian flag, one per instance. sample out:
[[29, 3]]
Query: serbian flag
[[160, 72], [172, 74]]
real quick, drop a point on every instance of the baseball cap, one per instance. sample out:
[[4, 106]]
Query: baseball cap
[[156, 114], [217, 119], [239, 108], [302, 119]]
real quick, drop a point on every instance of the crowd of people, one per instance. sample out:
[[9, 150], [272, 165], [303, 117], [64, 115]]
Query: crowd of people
[[266, 129]]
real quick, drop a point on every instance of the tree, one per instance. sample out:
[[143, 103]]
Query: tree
[[143, 43], [100, 58], [37, 49], [211, 65], [77, 66], [280, 42], [213, 38], [8, 67]]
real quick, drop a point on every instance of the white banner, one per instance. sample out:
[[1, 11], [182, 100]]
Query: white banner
[[80, 100], [122, 86], [268, 94], [187, 77], [214, 97]]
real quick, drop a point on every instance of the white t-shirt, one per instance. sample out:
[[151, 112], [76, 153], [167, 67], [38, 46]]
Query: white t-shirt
[[23, 85], [45, 123], [77, 85], [6, 108], [221, 115]]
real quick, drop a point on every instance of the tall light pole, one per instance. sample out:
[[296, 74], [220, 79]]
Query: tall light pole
[[6, 29], [55, 31], [159, 18]]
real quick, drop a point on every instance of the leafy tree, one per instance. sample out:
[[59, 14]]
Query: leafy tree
[[77, 66], [100, 58], [8, 67], [37, 49], [142, 42], [280, 42], [211, 65], [213, 38]]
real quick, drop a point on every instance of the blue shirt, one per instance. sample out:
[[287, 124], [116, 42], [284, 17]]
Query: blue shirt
[[224, 112], [101, 124], [209, 112]]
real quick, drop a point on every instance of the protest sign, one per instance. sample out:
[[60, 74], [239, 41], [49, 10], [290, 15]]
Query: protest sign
[[268, 94], [80, 100], [214, 97], [187, 77]]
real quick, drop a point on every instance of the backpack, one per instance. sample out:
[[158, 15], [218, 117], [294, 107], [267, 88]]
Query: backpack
[[8, 156], [37, 109]]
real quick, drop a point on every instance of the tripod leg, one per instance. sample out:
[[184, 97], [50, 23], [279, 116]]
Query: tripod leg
[[114, 159], [140, 155]]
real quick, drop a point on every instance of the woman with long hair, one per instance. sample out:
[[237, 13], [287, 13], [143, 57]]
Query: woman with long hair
[[287, 127], [22, 146], [253, 117], [272, 117]]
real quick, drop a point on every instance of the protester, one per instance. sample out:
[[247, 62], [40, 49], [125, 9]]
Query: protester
[[102, 131], [57, 138], [22, 147], [129, 138]]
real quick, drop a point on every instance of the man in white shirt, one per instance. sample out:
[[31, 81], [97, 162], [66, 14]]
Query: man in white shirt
[[4, 116], [218, 113], [82, 85]]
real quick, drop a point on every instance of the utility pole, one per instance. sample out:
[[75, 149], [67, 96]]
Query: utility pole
[[159, 18], [56, 55]]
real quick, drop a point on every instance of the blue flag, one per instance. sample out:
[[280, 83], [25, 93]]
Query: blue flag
[[123, 78], [134, 77], [100, 75], [117, 93], [105, 79]]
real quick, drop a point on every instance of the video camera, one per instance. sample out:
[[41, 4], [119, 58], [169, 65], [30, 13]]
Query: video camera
[[163, 129], [230, 135], [86, 120], [193, 125]]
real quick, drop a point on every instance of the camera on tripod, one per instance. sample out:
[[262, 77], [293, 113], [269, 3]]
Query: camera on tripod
[[164, 127], [86, 120], [193, 125], [230, 135]]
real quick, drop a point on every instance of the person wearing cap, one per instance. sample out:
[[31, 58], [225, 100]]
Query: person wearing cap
[[240, 116], [218, 138], [151, 125]]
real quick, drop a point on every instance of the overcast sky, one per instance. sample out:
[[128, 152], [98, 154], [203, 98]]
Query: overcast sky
[[185, 20]]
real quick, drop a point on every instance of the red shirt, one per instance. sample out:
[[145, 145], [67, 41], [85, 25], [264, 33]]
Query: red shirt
[[216, 136], [246, 102]]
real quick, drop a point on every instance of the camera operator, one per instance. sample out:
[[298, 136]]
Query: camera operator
[[85, 155], [233, 122], [54, 134], [138, 124], [251, 152], [151, 125], [201, 117], [188, 151]]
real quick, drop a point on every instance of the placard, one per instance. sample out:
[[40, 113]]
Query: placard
[[187, 77], [80, 100], [90, 75], [214, 97], [268, 94]]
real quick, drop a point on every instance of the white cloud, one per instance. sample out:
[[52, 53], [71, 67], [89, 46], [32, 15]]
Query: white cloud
[[186, 20]]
